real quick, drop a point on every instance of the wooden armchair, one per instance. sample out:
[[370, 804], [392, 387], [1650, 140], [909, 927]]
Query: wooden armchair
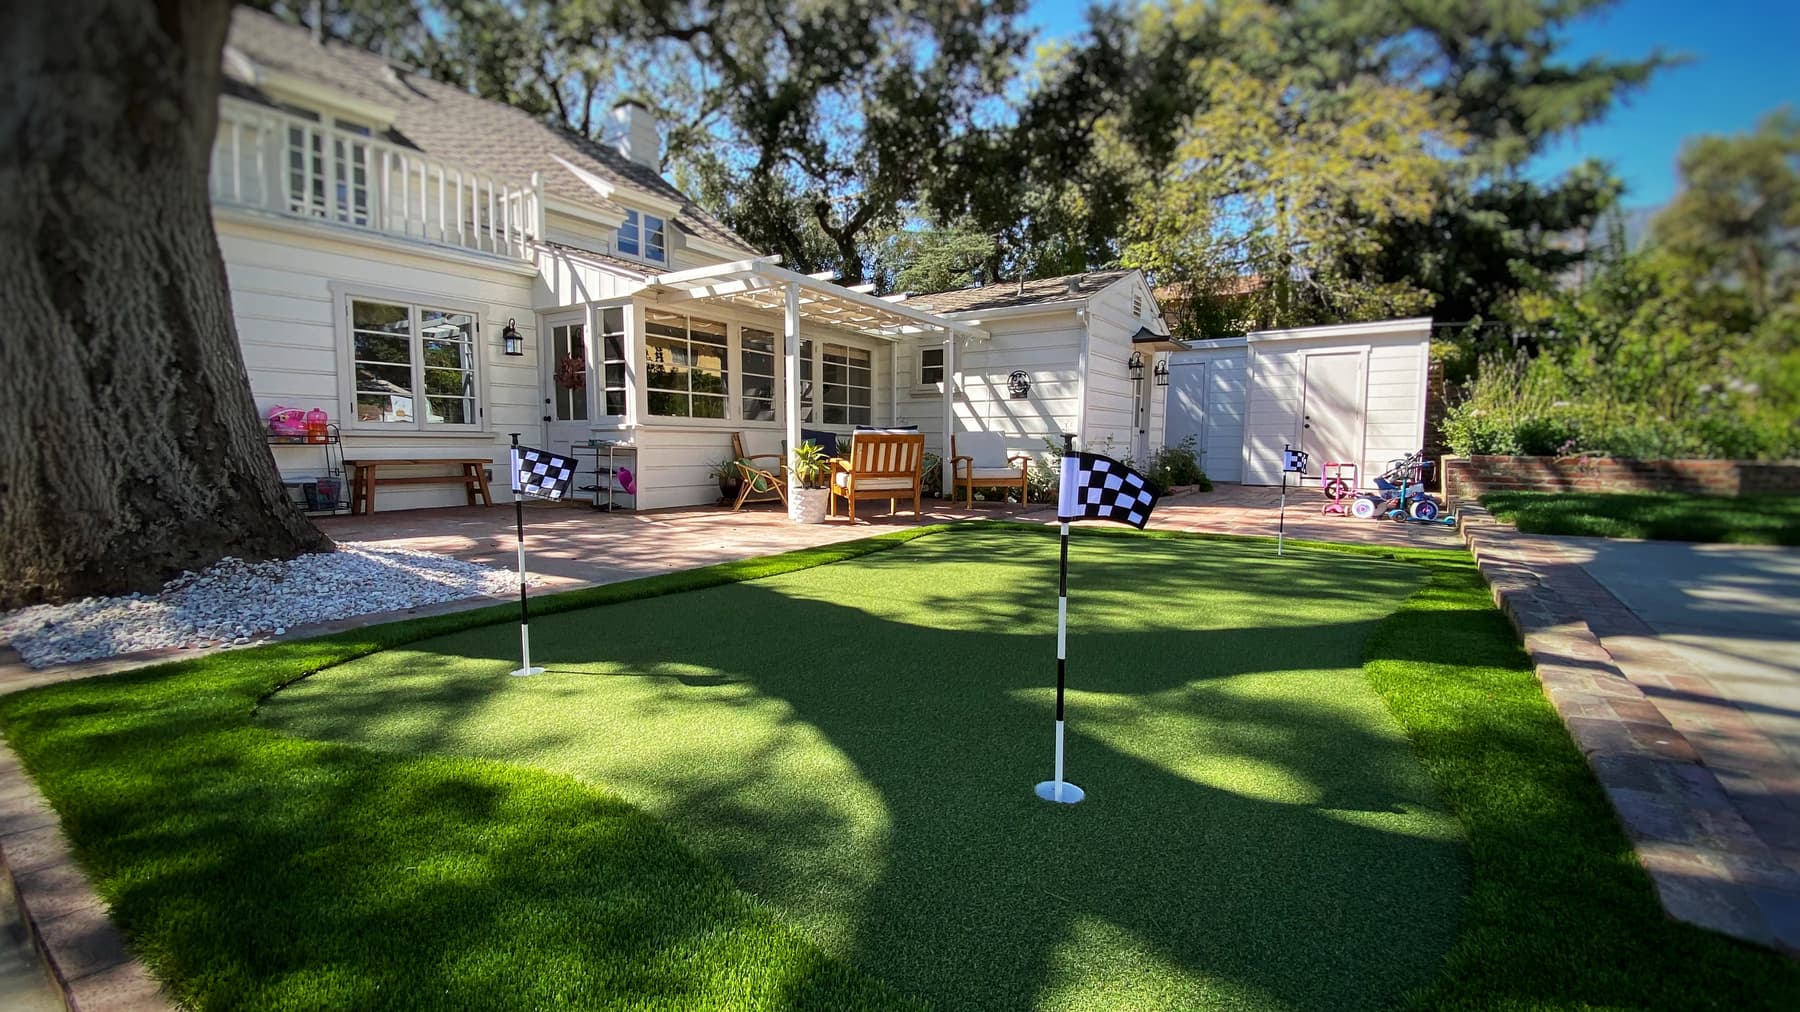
[[986, 464], [763, 475], [881, 465]]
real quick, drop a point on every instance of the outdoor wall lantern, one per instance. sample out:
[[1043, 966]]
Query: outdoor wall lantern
[[510, 341], [1135, 364], [1161, 372], [1018, 385]]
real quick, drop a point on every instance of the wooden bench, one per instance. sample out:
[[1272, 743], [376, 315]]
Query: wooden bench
[[471, 474]]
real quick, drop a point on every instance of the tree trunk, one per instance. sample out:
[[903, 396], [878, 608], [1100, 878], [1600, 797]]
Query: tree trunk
[[132, 447]]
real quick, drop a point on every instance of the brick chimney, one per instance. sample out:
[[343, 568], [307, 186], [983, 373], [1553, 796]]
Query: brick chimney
[[636, 134]]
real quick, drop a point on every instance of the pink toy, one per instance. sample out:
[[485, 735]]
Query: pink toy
[[318, 426], [287, 421], [627, 481]]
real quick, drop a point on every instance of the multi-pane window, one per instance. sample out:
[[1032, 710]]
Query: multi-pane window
[[412, 365], [759, 374], [643, 235], [849, 385], [685, 375], [612, 356], [345, 173], [931, 366], [806, 381]]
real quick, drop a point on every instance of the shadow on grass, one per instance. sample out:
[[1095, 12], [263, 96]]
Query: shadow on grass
[[869, 771]]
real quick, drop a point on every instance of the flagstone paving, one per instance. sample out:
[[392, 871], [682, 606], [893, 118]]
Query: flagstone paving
[[1676, 668]]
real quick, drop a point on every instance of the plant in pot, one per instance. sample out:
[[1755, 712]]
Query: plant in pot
[[729, 477], [811, 469]]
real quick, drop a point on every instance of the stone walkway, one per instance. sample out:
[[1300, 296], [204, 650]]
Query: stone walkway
[[1710, 800]]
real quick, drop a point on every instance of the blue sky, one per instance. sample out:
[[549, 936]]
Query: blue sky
[[1745, 62]]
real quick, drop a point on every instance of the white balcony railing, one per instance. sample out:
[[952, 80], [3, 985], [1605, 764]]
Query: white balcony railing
[[276, 161]]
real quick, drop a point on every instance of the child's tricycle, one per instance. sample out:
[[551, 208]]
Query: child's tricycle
[[1400, 495]]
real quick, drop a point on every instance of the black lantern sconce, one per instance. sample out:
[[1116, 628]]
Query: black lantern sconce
[[510, 341], [1135, 365], [1018, 385], [1161, 372]]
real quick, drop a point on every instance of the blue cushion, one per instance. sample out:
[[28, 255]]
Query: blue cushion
[[828, 440]]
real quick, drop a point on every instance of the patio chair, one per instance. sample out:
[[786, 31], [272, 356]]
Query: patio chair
[[764, 475], [880, 466], [986, 464]]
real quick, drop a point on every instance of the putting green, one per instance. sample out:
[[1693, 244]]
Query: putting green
[[856, 745]]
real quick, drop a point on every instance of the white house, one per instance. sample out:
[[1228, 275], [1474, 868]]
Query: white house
[[1349, 392], [1072, 340], [384, 234]]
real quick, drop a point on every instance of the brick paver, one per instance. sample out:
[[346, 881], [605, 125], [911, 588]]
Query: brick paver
[[1711, 804]]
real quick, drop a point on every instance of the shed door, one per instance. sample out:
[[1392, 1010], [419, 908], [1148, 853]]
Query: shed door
[[1331, 415]]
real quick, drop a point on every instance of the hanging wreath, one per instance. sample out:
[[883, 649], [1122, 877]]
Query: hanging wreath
[[571, 372]]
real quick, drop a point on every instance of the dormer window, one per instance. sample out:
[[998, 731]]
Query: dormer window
[[642, 236]]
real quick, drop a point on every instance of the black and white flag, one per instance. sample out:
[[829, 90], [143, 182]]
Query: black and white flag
[[541, 474], [1293, 460], [1096, 487]]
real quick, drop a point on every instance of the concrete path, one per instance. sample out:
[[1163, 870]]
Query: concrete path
[[1730, 611], [1676, 669]]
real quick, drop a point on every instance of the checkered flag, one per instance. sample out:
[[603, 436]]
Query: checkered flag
[[541, 474], [1100, 488]]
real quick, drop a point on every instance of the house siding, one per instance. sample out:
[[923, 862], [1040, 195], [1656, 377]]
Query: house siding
[[1393, 410], [1206, 391], [1046, 346], [284, 305]]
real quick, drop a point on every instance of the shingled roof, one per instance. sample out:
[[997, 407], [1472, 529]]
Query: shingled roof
[[449, 123], [1010, 294]]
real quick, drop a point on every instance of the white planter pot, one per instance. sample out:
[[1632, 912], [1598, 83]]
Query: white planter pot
[[807, 505]]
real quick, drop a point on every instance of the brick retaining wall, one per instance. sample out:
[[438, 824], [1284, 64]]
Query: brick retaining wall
[[1467, 478]]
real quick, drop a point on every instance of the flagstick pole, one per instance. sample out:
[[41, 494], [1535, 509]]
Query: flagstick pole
[[1058, 790], [525, 667], [1281, 524]]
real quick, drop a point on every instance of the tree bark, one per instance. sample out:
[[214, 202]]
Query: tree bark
[[132, 446]]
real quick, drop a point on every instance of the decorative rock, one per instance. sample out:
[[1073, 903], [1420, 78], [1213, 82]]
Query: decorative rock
[[233, 601]]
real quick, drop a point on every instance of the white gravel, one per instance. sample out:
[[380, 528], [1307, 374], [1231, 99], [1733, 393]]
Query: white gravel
[[236, 603]]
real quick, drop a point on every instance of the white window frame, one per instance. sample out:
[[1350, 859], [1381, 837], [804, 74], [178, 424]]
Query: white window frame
[[598, 412], [342, 296], [732, 387], [921, 385], [821, 404], [641, 232]]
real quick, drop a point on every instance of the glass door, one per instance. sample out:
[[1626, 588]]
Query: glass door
[[567, 381]]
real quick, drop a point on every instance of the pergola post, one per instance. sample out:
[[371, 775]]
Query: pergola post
[[949, 392], [792, 350]]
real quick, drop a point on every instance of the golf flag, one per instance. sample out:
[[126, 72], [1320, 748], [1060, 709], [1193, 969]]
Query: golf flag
[[1094, 487], [539, 474], [1292, 462]]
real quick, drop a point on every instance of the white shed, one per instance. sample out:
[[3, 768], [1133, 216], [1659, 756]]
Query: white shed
[[1347, 392]]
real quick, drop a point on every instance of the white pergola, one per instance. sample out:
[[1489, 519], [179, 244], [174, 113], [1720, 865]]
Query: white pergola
[[763, 284]]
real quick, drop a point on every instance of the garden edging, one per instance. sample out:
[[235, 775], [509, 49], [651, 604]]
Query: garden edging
[[66, 918], [1710, 866]]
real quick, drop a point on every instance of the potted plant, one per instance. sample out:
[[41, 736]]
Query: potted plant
[[729, 477], [809, 498]]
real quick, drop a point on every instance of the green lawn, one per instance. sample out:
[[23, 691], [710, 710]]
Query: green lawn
[[813, 791], [1749, 520]]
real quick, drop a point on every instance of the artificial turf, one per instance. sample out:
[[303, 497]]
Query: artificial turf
[[1657, 516], [256, 869], [856, 746]]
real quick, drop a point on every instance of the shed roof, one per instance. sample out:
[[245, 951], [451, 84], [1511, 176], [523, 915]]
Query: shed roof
[[449, 123], [1011, 294]]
